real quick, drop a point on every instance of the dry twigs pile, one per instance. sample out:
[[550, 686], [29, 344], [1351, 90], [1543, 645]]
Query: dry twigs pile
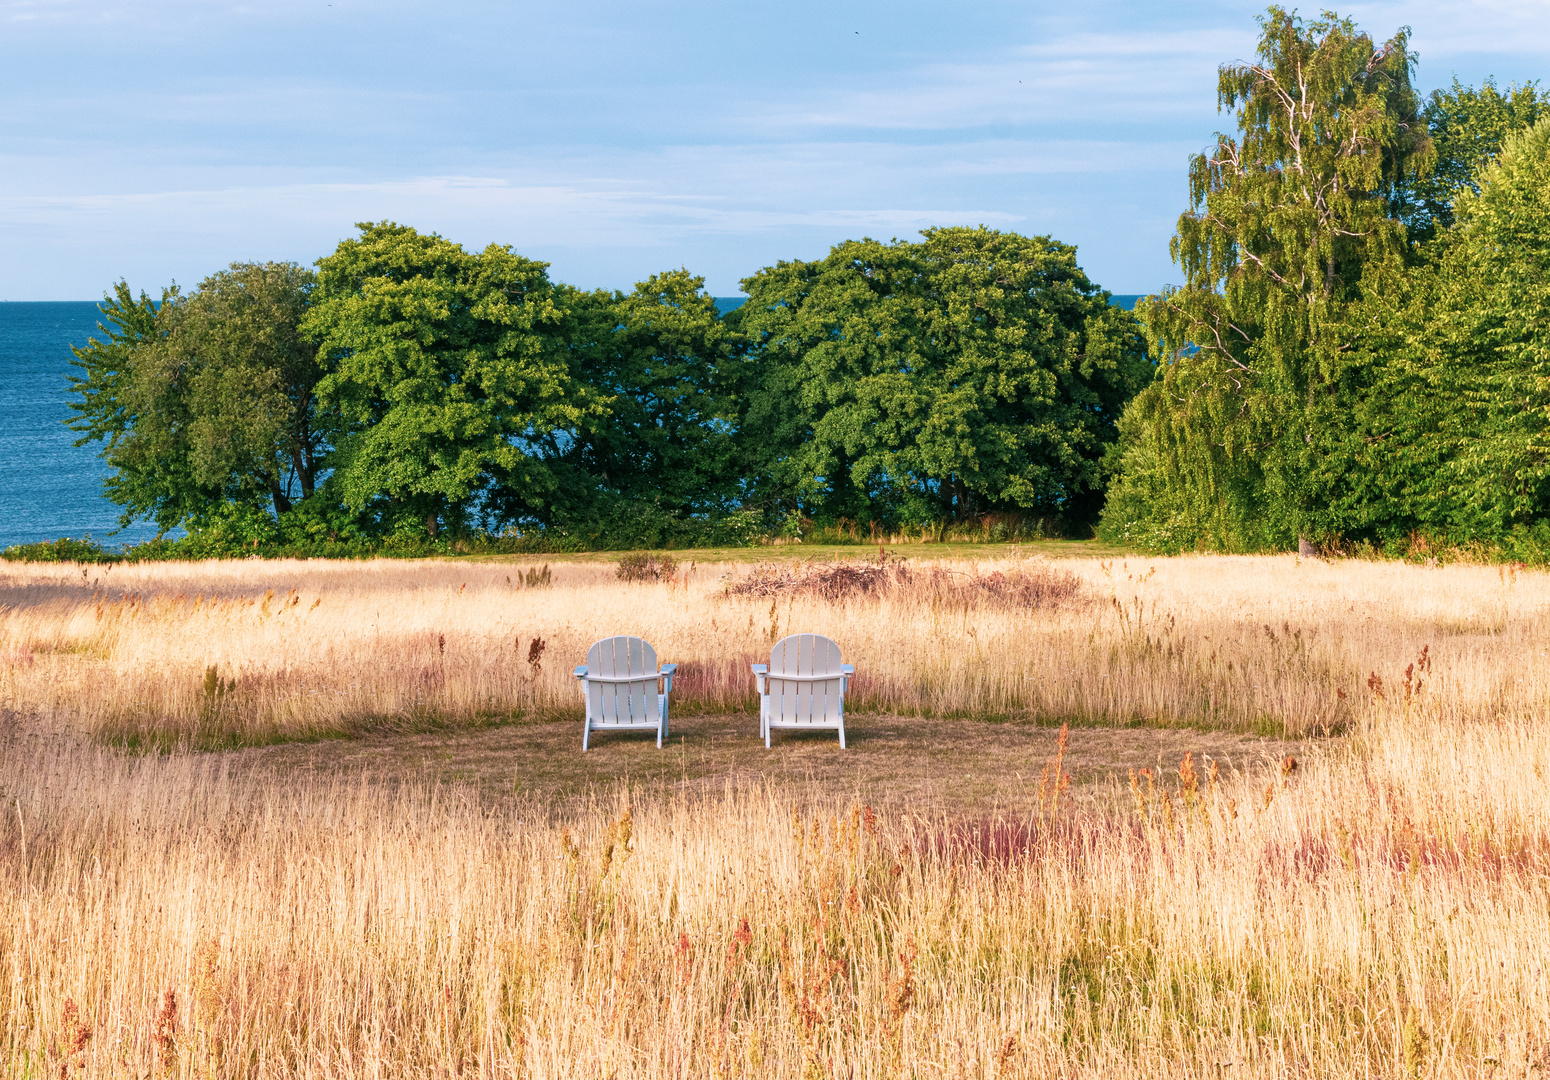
[[1030, 585]]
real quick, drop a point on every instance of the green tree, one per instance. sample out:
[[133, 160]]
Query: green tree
[[207, 398], [1445, 433], [445, 368], [1468, 126], [660, 357], [1489, 340], [1287, 221], [973, 371]]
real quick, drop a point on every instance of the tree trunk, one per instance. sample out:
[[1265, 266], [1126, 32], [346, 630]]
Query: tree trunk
[[303, 465], [282, 505]]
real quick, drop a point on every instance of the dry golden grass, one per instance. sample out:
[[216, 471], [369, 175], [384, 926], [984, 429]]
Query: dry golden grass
[[1379, 908], [250, 652], [1381, 914]]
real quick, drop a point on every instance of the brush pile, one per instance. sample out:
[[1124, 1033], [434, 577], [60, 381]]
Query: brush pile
[[1035, 584]]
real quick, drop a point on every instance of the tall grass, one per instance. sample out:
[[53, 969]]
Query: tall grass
[[1379, 909], [1377, 913], [222, 654]]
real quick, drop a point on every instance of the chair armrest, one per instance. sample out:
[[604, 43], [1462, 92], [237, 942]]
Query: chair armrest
[[581, 671], [759, 671], [667, 677], [849, 669]]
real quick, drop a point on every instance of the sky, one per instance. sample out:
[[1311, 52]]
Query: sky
[[160, 140]]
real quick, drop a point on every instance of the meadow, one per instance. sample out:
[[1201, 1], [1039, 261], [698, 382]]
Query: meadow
[[1360, 887]]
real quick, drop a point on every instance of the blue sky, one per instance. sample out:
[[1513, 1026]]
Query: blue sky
[[162, 139]]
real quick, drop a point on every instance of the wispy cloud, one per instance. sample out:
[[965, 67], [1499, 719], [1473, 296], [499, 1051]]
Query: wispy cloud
[[163, 138], [1114, 78]]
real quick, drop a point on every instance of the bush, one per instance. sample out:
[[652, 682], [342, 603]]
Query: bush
[[640, 566], [84, 550]]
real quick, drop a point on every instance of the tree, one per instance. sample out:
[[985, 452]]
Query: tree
[[1446, 436], [445, 368], [207, 398], [659, 359], [1286, 223], [973, 371], [1468, 127], [1490, 339]]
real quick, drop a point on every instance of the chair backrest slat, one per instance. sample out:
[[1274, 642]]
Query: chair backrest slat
[[805, 701], [622, 702]]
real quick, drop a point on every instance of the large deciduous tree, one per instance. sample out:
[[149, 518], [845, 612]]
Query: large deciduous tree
[[1288, 219], [206, 398], [658, 360], [1488, 340], [446, 367], [975, 370]]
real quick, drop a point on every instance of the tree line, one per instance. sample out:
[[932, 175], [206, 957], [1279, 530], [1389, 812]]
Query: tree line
[[406, 390], [1358, 356]]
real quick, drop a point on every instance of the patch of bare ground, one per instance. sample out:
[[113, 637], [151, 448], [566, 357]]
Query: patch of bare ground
[[953, 767]]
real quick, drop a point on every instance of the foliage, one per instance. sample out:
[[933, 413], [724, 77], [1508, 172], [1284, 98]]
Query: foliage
[[1441, 439], [1287, 222], [65, 549], [661, 355], [1468, 127], [444, 367], [1490, 340], [412, 397], [909, 382], [206, 399]]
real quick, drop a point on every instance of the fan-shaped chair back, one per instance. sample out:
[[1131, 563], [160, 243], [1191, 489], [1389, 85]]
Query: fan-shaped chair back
[[806, 683], [614, 698]]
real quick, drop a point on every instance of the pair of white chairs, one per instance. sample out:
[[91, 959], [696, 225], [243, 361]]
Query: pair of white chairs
[[802, 687]]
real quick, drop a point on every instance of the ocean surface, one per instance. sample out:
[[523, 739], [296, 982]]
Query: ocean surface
[[48, 486]]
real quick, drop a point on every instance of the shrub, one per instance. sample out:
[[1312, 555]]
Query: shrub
[[643, 566], [65, 549]]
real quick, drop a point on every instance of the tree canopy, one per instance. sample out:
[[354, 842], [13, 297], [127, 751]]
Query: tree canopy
[[1468, 127], [1288, 221], [661, 361], [972, 371], [1357, 353], [443, 367], [205, 398]]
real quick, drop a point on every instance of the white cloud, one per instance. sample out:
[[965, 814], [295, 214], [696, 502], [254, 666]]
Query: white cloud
[[1455, 29], [1128, 77]]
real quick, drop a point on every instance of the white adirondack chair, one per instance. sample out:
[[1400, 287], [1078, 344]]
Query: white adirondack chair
[[803, 686], [620, 683]]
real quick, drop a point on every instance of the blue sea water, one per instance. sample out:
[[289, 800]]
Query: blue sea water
[[48, 486]]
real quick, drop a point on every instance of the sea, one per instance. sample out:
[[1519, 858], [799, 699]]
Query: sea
[[49, 487]]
